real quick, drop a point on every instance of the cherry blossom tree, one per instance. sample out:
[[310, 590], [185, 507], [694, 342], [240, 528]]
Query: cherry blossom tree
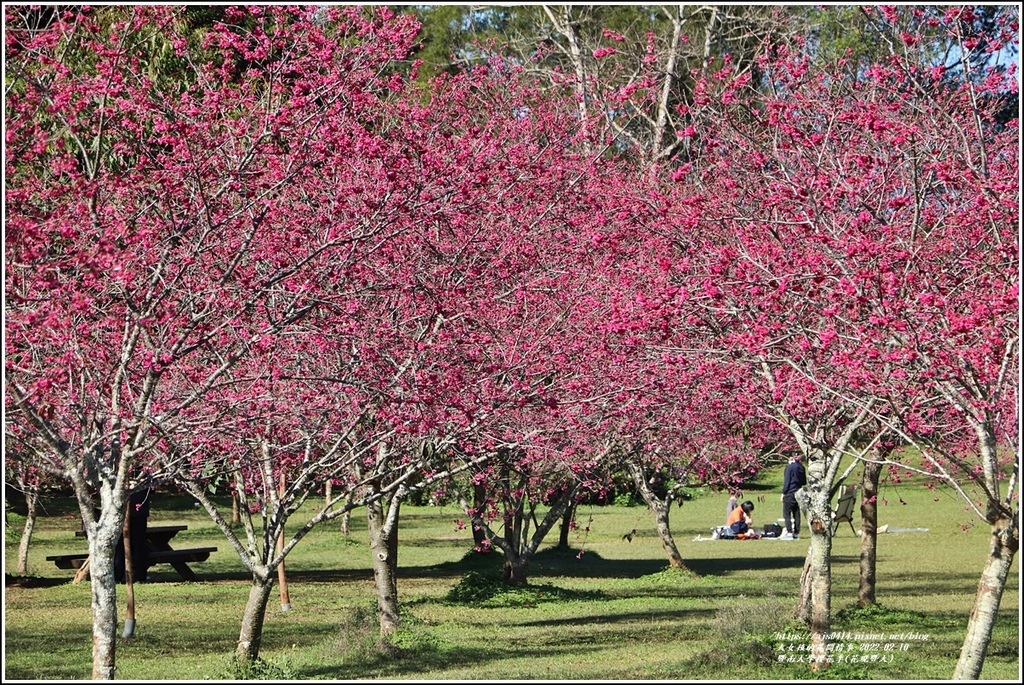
[[422, 334], [854, 275], [153, 231]]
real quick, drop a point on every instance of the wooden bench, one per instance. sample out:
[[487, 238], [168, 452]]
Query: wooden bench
[[178, 558], [172, 555], [68, 560]]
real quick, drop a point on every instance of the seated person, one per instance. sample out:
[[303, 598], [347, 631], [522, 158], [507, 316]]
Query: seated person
[[740, 521], [734, 496]]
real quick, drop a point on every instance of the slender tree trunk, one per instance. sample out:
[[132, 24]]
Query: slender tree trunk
[[236, 516], [709, 36], [668, 541], [384, 550], [479, 501], [517, 550], [31, 510], [568, 26], [129, 575], [869, 527], [661, 127], [346, 518], [282, 578], [1005, 542], [251, 636], [661, 509], [567, 519]]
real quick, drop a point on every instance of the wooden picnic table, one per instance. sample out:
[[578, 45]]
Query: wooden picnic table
[[158, 539]]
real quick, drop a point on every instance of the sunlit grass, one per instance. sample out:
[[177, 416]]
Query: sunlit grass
[[614, 611]]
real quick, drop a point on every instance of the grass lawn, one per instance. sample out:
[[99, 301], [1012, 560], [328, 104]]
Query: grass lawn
[[608, 609]]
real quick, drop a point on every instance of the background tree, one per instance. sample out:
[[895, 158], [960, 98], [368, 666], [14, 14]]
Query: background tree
[[605, 53]]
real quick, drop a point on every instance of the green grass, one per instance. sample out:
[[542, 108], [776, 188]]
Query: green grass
[[614, 612]]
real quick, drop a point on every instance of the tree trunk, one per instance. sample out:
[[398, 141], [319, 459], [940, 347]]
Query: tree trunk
[[282, 577], [803, 609], [820, 579], [346, 517], [236, 516], [568, 25], [384, 551], [518, 552], [479, 502], [662, 122], [668, 541], [129, 575], [1005, 542], [819, 566], [567, 519], [515, 570], [661, 509], [102, 545], [869, 526], [251, 635], [31, 507]]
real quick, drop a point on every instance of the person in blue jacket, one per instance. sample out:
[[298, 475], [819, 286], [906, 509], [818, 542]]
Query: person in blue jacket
[[793, 478]]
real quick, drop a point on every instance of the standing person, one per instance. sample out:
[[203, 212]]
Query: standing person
[[793, 479]]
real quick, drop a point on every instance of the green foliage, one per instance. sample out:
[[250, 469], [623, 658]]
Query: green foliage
[[259, 670], [754, 619], [359, 635], [13, 528], [626, 499], [475, 587], [671, 576], [727, 657], [479, 588], [875, 614]]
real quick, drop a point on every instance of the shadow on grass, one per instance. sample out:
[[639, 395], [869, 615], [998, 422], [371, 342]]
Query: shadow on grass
[[295, 576], [921, 583], [70, 648], [647, 617], [549, 562], [33, 581], [569, 563], [429, 656], [593, 565], [717, 567]]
